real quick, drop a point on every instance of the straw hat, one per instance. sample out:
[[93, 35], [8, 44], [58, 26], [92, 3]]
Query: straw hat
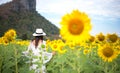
[[39, 32]]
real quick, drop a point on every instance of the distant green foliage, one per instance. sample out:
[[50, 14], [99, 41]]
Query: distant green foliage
[[25, 24]]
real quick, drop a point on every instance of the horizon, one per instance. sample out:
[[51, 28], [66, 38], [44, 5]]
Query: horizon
[[104, 15]]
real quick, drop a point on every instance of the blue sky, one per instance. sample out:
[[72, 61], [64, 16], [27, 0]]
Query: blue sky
[[104, 14]]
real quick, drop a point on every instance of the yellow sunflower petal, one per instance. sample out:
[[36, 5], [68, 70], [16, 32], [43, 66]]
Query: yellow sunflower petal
[[75, 26], [107, 53]]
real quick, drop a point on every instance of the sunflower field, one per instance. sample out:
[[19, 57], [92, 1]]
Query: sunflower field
[[76, 52]]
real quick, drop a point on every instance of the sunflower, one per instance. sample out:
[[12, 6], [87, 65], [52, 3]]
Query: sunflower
[[75, 26], [54, 46], [10, 34], [61, 49], [107, 53], [86, 51], [92, 38], [100, 37], [5, 41], [1, 41], [71, 45], [112, 37]]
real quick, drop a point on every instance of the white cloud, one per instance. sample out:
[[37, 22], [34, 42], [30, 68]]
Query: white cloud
[[92, 7], [96, 7]]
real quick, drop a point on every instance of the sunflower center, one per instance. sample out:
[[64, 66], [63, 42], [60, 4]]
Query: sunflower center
[[101, 38], [55, 46], [61, 47], [12, 34], [108, 52], [113, 38], [92, 39], [75, 27]]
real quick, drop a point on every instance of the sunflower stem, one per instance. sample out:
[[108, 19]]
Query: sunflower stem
[[106, 68], [16, 66]]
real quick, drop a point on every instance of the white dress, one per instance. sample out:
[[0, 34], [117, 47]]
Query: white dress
[[38, 57]]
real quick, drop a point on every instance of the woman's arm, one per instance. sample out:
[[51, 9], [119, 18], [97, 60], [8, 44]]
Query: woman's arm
[[47, 57]]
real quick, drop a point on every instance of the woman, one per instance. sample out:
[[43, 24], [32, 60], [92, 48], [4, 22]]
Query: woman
[[37, 52]]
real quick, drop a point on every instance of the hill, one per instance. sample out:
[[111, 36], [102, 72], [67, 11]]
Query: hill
[[22, 16]]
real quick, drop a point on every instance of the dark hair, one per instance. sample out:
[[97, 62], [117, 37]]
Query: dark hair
[[37, 38]]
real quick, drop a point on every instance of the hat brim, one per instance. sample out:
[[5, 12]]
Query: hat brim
[[43, 34]]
